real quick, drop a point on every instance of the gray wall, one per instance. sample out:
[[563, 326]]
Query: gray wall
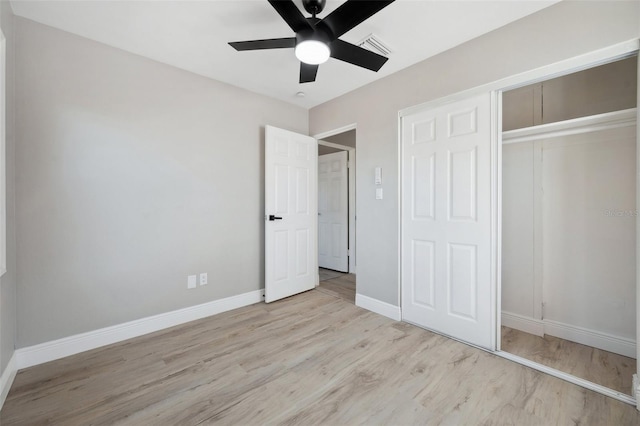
[[324, 150], [131, 175], [347, 138], [8, 281], [561, 31]]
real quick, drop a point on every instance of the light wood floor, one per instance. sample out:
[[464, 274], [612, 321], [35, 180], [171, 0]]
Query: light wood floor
[[604, 368], [309, 359], [329, 274], [344, 287]]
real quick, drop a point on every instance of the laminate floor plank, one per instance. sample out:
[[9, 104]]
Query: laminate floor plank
[[604, 368], [343, 287], [329, 274], [313, 358]]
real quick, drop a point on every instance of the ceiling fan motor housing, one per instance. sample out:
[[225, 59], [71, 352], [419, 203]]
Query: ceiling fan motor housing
[[313, 6]]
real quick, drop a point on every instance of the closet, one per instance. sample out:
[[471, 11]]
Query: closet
[[569, 223]]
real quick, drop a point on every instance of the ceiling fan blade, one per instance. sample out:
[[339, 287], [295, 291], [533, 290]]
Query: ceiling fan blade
[[308, 72], [291, 14], [355, 55], [273, 43], [352, 13]]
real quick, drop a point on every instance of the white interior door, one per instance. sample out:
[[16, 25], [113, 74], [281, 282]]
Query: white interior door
[[333, 212], [290, 213], [446, 220]]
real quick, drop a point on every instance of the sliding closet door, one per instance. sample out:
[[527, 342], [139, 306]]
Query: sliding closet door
[[588, 238], [446, 220]]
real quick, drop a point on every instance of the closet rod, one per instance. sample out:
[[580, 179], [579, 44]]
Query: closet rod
[[575, 126]]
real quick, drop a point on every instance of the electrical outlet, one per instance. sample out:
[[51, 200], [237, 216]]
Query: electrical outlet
[[203, 278], [191, 281]]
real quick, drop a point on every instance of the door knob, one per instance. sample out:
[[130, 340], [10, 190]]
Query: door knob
[[272, 217]]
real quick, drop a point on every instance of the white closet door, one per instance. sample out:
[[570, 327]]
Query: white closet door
[[333, 212], [446, 220]]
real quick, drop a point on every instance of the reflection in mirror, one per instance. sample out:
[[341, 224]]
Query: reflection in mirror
[[569, 224]]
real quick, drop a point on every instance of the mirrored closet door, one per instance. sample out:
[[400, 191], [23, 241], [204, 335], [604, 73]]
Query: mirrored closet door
[[569, 223]]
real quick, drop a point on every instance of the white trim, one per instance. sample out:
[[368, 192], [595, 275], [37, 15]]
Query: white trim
[[399, 228], [568, 377], [538, 234], [8, 375], [596, 339], [56, 349], [557, 69], [353, 244], [635, 388], [592, 123], [495, 188], [335, 145], [379, 307], [497, 208], [522, 323], [337, 131]]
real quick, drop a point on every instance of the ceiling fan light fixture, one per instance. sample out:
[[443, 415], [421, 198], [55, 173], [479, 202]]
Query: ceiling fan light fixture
[[312, 52]]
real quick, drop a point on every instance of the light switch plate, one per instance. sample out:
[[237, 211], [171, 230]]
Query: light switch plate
[[378, 193], [191, 281], [378, 178]]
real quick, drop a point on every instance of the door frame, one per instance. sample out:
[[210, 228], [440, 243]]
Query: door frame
[[350, 259], [557, 69], [351, 158]]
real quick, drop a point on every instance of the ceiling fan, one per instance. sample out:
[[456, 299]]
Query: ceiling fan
[[317, 39]]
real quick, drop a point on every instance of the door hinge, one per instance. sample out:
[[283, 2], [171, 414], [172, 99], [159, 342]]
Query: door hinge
[[348, 164], [348, 252], [542, 311]]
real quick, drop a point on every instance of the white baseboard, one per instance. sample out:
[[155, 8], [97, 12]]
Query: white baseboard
[[522, 323], [56, 349], [596, 339], [6, 380], [382, 308]]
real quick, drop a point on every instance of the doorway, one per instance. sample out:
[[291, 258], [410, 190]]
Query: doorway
[[568, 264], [336, 214]]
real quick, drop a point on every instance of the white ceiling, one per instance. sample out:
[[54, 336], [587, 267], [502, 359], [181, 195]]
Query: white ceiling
[[193, 35]]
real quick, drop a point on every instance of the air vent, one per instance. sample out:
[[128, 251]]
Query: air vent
[[374, 44]]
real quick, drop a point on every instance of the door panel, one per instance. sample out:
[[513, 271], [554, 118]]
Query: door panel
[[423, 191], [291, 197], [462, 185], [446, 219], [333, 212]]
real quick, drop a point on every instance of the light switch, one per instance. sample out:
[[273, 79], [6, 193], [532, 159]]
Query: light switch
[[378, 179], [191, 281], [378, 193]]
